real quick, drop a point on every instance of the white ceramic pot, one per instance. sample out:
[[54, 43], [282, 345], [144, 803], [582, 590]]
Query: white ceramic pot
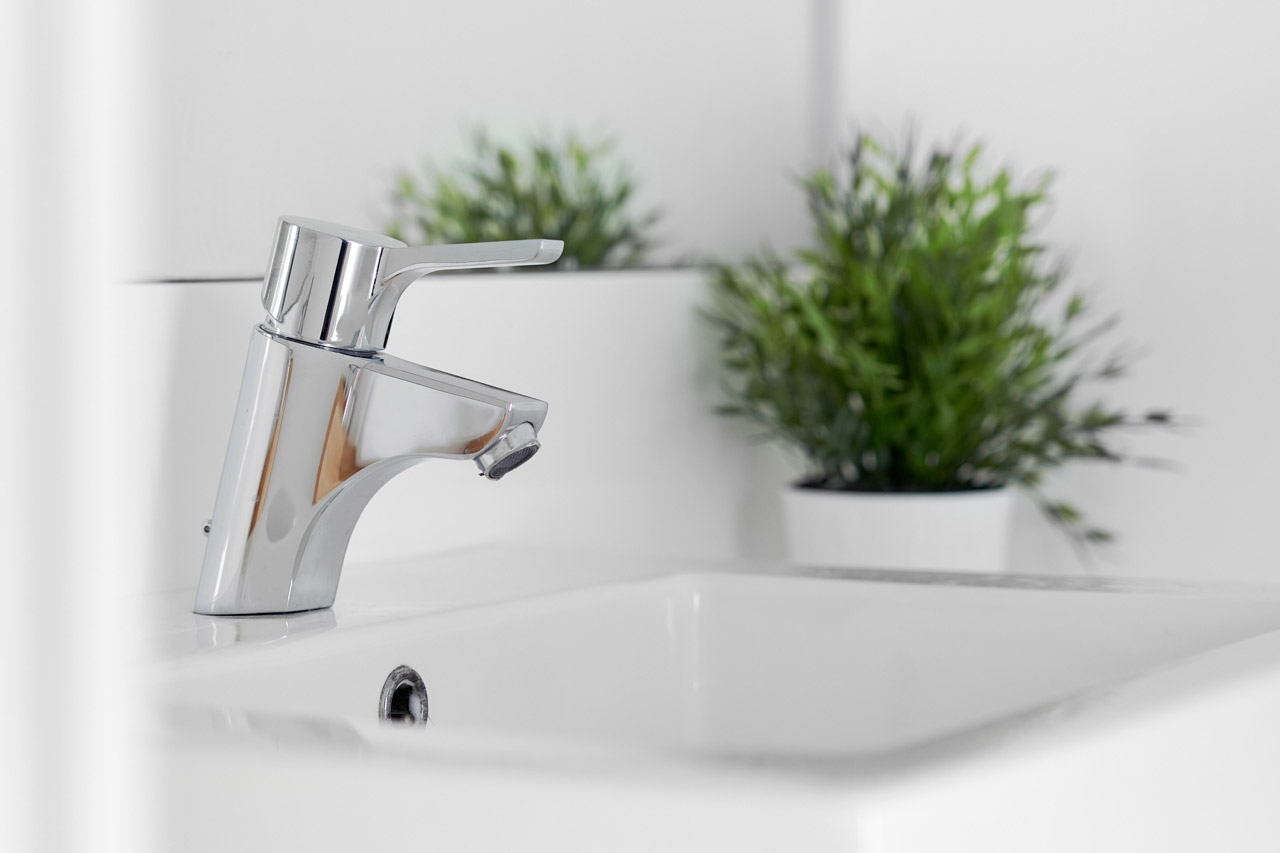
[[943, 531]]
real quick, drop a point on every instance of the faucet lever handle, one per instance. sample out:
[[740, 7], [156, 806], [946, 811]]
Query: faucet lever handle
[[338, 287], [416, 261]]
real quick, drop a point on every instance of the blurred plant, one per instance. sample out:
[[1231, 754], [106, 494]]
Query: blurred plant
[[915, 347], [569, 189]]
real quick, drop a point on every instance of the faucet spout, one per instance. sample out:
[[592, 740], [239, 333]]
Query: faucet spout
[[317, 433]]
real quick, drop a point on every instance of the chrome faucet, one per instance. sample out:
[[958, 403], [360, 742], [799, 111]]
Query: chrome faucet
[[324, 418]]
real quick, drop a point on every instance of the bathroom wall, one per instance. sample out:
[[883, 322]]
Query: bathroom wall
[[313, 106], [1160, 121], [1154, 118]]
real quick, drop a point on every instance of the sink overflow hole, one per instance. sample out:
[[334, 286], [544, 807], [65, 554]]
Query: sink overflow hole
[[404, 697]]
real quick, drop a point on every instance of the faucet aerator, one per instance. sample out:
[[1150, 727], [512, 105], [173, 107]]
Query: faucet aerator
[[511, 450]]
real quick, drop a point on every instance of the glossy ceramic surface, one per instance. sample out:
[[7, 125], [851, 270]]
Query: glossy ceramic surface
[[827, 706], [741, 665]]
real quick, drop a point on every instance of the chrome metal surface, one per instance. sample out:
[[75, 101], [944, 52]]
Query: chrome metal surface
[[318, 430], [404, 698], [338, 287]]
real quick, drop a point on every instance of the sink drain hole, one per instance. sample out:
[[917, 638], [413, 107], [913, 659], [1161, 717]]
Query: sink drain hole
[[404, 697]]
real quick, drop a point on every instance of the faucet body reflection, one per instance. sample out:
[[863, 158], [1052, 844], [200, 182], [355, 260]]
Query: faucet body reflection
[[324, 418]]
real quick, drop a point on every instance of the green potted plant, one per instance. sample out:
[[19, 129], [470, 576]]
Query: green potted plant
[[921, 358], [561, 188]]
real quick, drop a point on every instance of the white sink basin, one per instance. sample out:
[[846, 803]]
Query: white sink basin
[[835, 695], [765, 666]]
